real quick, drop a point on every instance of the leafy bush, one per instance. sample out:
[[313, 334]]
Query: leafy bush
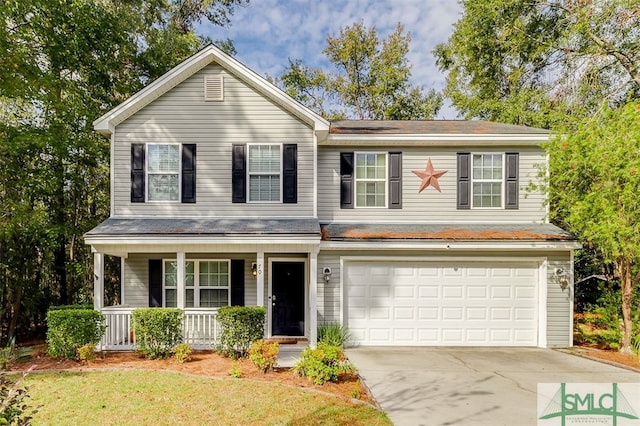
[[13, 409], [323, 364], [87, 352], [71, 328], [69, 307], [157, 330], [333, 334], [264, 354], [240, 326], [182, 353]]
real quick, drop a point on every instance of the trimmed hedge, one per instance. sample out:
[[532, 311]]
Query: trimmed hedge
[[240, 326], [69, 328], [157, 330]]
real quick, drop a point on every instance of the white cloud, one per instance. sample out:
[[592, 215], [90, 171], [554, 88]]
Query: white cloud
[[268, 32]]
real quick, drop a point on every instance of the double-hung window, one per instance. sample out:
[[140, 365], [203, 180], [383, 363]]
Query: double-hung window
[[371, 179], [163, 172], [207, 283], [264, 171], [487, 180]]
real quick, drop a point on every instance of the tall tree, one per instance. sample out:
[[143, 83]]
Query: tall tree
[[370, 79], [63, 63], [594, 182], [532, 61]]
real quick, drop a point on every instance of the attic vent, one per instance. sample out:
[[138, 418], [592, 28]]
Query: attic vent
[[213, 90]]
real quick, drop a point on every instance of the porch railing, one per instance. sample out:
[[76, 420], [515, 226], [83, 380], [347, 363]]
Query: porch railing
[[200, 329]]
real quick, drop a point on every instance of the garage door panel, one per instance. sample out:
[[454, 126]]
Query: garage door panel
[[429, 303]]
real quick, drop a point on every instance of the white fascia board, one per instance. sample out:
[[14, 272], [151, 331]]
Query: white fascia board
[[449, 246], [190, 66], [436, 139]]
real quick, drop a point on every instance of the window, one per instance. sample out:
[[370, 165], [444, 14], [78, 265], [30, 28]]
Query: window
[[264, 173], [163, 172], [207, 283], [487, 180], [371, 179]]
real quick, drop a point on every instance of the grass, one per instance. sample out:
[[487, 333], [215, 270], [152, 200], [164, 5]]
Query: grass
[[143, 397]]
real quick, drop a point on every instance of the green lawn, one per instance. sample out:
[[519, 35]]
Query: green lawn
[[137, 397]]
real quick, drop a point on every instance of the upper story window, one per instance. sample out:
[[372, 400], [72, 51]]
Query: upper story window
[[163, 172], [487, 180], [264, 170], [207, 283], [371, 179]]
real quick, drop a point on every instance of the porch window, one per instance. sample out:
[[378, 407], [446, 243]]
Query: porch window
[[207, 283], [163, 172], [264, 170]]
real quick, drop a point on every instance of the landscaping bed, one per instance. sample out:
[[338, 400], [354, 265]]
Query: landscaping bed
[[202, 363]]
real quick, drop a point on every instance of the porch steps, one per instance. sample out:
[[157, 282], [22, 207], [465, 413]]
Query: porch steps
[[290, 349]]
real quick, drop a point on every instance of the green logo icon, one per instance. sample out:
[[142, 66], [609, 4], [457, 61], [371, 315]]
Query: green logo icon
[[588, 404]]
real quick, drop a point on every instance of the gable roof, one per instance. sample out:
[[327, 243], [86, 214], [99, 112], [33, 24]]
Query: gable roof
[[432, 127], [106, 124]]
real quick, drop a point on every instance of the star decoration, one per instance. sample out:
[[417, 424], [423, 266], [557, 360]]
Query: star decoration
[[429, 176]]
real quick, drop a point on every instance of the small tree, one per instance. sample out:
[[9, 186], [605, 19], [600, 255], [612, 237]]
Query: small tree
[[594, 183]]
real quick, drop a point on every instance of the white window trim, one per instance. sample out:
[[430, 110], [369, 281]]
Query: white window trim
[[196, 282], [249, 174], [356, 180], [502, 181], [147, 173]]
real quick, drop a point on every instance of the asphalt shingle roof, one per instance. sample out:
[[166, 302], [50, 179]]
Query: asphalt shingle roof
[[429, 127]]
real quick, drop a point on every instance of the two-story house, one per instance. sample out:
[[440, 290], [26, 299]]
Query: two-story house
[[225, 191]]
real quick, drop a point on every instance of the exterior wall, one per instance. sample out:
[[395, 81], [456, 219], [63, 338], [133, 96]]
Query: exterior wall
[[430, 205], [558, 303], [182, 116], [136, 276]]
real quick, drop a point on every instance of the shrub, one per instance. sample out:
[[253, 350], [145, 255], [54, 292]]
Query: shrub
[[333, 334], [323, 364], [182, 353], [69, 307], [70, 328], [13, 409], [240, 326], [87, 352], [157, 330], [264, 354], [235, 371]]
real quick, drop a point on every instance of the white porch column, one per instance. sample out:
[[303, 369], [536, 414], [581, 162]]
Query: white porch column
[[313, 299], [260, 278], [98, 281], [180, 282]]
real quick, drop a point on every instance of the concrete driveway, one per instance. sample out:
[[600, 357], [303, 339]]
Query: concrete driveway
[[471, 386]]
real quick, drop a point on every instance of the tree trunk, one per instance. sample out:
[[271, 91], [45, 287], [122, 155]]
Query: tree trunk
[[623, 265]]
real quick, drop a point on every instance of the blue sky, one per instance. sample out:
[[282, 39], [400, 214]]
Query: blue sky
[[266, 33]]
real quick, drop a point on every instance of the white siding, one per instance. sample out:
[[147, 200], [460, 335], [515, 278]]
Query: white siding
[[182, 116], [429, 205], [559, 314]]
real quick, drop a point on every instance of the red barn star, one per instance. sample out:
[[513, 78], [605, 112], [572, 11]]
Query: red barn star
[[429, 176]]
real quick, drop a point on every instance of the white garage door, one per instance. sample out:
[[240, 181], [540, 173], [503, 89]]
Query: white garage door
[[442, 303]]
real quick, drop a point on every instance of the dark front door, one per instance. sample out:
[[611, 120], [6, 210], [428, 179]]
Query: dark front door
[[287, 298]]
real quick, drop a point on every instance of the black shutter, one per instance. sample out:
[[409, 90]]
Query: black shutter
[[239, 175], [395, 180], [137, 172], [346, 180], [155, 283], [464, 180], [511, 181], [237, 282], [188, 173], [290, 173]]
